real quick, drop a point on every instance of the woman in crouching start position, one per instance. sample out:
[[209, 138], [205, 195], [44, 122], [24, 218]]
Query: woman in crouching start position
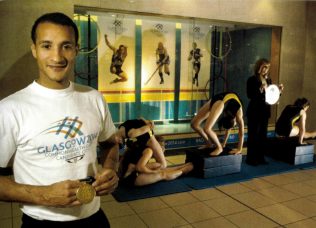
[[137, 168], [227, 106], [292, 121]]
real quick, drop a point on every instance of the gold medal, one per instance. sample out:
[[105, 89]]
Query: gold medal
[[85, 193]]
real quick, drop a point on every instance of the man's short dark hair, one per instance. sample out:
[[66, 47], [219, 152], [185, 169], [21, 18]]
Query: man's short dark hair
[[55, 18]]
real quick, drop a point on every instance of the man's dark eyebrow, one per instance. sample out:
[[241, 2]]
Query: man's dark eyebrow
[[44, 42], [50, 42], [68, 42]]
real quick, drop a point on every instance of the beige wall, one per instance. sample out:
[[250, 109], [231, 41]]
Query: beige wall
[[309, 85], [16, 18], [17, 66]]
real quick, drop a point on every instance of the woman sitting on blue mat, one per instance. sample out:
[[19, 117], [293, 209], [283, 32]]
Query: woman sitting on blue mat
[[293, 119], [227, 106], [141, 146]]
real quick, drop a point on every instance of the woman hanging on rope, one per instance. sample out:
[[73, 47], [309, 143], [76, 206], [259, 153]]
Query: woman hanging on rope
[[163, 60], [118, 58]]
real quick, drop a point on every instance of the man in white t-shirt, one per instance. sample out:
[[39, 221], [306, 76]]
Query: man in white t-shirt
[[50, 131]]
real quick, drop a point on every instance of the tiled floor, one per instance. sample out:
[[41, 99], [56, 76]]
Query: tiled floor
[[283, 200]]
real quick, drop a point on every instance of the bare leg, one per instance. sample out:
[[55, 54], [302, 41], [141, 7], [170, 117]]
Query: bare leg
[[166, 69], [196, 76], [131, 168], [145, 178], [161, 75], [113, 70], [185, 168], [158, 152], [154, 165], [309, 135], [215, 112], [122, 78], [197, 120]]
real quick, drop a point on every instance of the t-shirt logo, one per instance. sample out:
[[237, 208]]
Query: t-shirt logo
[[67, 126], [66, 139]]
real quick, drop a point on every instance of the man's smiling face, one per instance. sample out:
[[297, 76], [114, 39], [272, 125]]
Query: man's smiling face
[[55, 50]]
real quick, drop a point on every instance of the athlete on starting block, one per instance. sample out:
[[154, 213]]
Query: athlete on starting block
[[292, 121], [226, 108]]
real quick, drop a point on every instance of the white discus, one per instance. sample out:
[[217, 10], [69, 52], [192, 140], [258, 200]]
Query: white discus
[[272, 94]]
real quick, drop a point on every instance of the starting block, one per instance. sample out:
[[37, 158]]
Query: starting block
[[206, 166], [288, 149]]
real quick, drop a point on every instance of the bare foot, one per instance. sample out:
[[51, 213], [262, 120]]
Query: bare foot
[[234, 151], [187, 168], [216, 152]]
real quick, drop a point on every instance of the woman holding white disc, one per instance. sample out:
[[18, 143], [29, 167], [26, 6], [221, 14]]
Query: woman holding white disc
[[258, 112]]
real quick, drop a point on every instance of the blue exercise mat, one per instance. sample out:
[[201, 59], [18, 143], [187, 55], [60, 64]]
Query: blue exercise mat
[[123, 194], [187, 183], [247, 172]]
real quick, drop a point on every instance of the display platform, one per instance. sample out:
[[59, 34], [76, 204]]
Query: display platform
[[288, 149], [206, 166]]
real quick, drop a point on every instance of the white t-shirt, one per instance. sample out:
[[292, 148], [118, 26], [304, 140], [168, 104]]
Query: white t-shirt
[[52, 136]]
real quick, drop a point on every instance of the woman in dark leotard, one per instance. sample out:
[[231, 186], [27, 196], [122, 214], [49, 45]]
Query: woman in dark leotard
[[228, 106], [142, 145], [292, 121]]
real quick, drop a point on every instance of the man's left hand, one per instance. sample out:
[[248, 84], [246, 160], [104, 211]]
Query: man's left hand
[[105, 182]]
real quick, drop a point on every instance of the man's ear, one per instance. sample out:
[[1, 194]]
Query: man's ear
[[33, 49]]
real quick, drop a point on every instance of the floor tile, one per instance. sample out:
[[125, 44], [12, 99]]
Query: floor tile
[[300, 188], [308, 223], [298, 176], [311, 182], [278, 179], [220, 222], [278, 194], [130, 221], [207, 194], [196, 212], [256, 184], [146, 205], [312, 198], [251, 219], [178, 199], [303, 206], [310, 172], [114, 209], [162, 218], [281, 214], [226, 205], [232, 189], [185, 226], [107, 198], [253, 199]]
